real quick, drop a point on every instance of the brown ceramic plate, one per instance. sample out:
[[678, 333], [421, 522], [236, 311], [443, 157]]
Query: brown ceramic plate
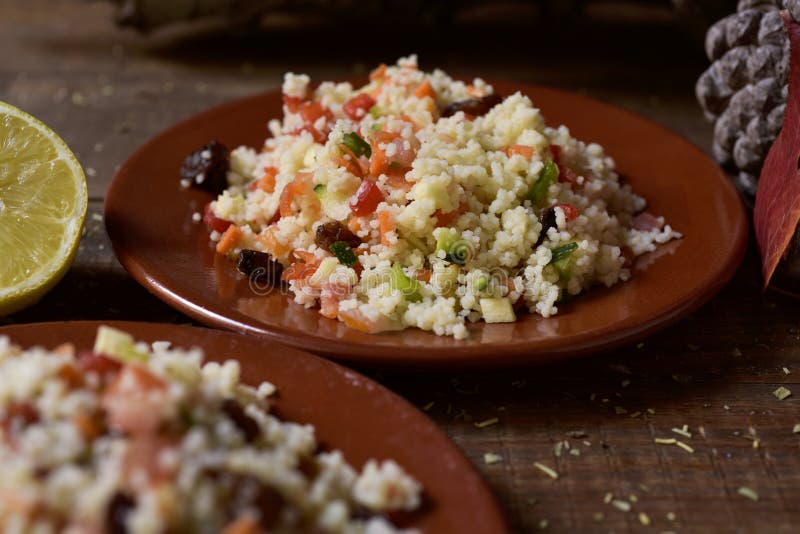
[[149, 219], [349, 411]]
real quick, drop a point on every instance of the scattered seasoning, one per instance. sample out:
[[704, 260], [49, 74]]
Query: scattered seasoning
[[634, 415], [623, 506], [97, 217], [605, 399], [490, 458], [546, 470], [748, 493], [576, 434], [702, 431], [644, 519], [587, 443], [684, 446], [786, 371], [543, 524], [619, 368], [756, 443], [558, 448], [782, 393], [682, 379], [599, 517], [487, 422], [736, 352], [639, 345], [625, 383], [683, 432], [651, 411], [796, 428], [633, 498], [519, 384], [620, 410], [608, 497], [592, 397], [726, 406], [666, 441], [531, 501], [428, 406], [693, 348], [670, 516], [575, 452]]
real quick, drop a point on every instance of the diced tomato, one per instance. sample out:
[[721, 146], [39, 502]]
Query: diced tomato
[[71, 376], [400, 160], [318, 136], [386, 225], [523, 150], [444, 219], [135, 400], [267, 183], [423, 275], [425, 89], [212, 222], [366, 199], [311, 112], [300, 186], [398, 181], [100, 364], [570, 212], [299, 271], [566, 174], [358, 106], [243, 525], [292, 103], [305, 256], [556, 151], [628, 255], [647, 222]]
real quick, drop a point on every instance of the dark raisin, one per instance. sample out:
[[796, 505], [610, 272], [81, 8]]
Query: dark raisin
[[243, 422], [548, 220], [117, 513], [475, 107], [207, 167], [260, 267], [331, 232], [19, 415]]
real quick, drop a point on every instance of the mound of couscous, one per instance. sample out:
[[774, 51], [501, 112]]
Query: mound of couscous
[[140, 439], [422, 201]]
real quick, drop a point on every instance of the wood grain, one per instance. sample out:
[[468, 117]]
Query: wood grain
[[106, 92]]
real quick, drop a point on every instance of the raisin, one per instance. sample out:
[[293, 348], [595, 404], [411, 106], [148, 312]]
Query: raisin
[[331, 232], [547, 220], [243, 422], [207, 167], [117, 513], [260, 266], [475, 107]]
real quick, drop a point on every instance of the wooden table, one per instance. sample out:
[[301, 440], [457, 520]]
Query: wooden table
[[593, 421]]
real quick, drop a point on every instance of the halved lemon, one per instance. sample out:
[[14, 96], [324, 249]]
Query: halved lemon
[[43, 200]]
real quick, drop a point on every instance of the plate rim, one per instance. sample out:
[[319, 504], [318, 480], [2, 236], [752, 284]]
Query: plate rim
[[466, 356], [499, 518]]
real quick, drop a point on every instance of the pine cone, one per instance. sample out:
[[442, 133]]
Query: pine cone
[[744, 90]]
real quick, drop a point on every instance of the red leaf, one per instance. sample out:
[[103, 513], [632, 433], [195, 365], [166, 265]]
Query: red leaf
[[777, 208]]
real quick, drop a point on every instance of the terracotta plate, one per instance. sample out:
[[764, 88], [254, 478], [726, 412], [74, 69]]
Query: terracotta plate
[[349, 411], [149, 219]]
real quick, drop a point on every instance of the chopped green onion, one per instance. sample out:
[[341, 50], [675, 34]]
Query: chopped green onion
[[564, 251], [343, 253], [319, 190], [375, 111], [547, 177], [402, 283], [481, 283], [354, 142]]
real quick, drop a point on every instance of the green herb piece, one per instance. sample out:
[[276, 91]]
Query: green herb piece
[[748, 493], [343, 253], [546, 470], [400, 282], [564, 251], [782, 393], [354, 142], [320, 190], [481, 283], [547, 177], [375, 111]]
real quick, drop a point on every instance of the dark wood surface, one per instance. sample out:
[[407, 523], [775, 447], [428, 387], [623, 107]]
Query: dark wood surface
[[107, 91]]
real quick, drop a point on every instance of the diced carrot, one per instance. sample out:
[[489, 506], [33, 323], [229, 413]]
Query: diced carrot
[[244, 525], [348, 160], [425, 89], [267, 183], [354, 225], [299, 271], [87, 426], [379, 162], [397, 180], [379, 73], [570, 212], [386, 225], [444, 219], [70, 374], [423, 275], [523, 150], [229, 239]]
